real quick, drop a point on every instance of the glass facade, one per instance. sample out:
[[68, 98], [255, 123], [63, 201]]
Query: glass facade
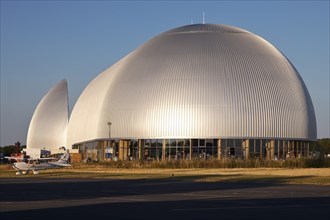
[[191, 149]]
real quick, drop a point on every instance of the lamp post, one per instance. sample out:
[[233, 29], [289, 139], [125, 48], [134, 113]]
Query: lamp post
[[109, 124]]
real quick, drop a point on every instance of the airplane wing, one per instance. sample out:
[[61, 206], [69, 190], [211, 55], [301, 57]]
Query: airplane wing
[[44, 158], [60, 164], [18, 159]]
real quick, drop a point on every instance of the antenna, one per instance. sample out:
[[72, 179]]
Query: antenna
[[203, 17]]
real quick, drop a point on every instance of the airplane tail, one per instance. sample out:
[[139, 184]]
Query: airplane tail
[[65, 158]]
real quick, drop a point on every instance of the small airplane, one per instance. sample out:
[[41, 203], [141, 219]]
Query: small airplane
[[34, 165]]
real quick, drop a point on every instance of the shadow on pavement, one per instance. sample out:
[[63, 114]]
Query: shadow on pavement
[[280, 208], [38, 189]]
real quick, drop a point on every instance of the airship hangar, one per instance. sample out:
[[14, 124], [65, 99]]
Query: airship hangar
[[194, 92]]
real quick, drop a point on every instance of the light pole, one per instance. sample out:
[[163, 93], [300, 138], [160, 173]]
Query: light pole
[[109, 124]]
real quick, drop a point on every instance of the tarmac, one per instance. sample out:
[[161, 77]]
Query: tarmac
[[170, 198]]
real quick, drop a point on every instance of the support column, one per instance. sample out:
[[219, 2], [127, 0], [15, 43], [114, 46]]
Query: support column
[[106, 144], [219, 149], [272, 149], [121, 150], [267, 148], [125, 149], [278, 149], [260, 150], [141, 149], [293, 149], [164, 150], [102, 150], [190, 149], [289, 148], [246, 144], [284, 150], [114, 148], [308, 149], [105, 149]]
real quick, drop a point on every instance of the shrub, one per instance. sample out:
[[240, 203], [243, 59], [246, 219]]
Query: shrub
[[213, 163]]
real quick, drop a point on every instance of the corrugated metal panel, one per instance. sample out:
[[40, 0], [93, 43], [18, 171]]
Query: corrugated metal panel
[[197, 81]]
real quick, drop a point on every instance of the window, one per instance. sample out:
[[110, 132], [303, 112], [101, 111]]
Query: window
[[179, 150], [210, 151], [153, 149], [194, 148], [186, 149], [172, 149]]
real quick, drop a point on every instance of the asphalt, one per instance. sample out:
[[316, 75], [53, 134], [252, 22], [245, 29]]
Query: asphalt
[[171, 198]]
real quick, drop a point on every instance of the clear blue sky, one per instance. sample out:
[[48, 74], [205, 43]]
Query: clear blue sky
[[43, 42]]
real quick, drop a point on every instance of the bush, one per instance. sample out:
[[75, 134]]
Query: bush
[[213, 163]]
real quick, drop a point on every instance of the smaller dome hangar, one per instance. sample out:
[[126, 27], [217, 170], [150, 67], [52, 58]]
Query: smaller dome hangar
[[203, 89], [48, 126]]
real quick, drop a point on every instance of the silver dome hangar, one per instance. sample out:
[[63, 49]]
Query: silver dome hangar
[[198, 90]]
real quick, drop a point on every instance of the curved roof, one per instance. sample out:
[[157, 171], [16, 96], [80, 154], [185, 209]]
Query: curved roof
[[48, 126], [197, 81]]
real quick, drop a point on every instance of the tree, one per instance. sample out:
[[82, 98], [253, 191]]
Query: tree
[[322, 145], [7, 150]]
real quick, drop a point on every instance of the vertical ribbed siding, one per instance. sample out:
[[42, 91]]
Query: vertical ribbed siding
[[48, 126], [202, 82]]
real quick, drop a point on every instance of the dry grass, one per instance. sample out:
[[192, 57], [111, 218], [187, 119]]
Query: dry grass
[[213, 163], [319, 176]]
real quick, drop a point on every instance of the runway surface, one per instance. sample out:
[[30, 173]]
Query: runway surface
[[171, 198]]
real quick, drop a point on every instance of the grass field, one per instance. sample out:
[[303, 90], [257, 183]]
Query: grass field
[[319, 176]]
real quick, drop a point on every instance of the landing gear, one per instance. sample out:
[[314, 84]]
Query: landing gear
[[26, 172], [22, 172]]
